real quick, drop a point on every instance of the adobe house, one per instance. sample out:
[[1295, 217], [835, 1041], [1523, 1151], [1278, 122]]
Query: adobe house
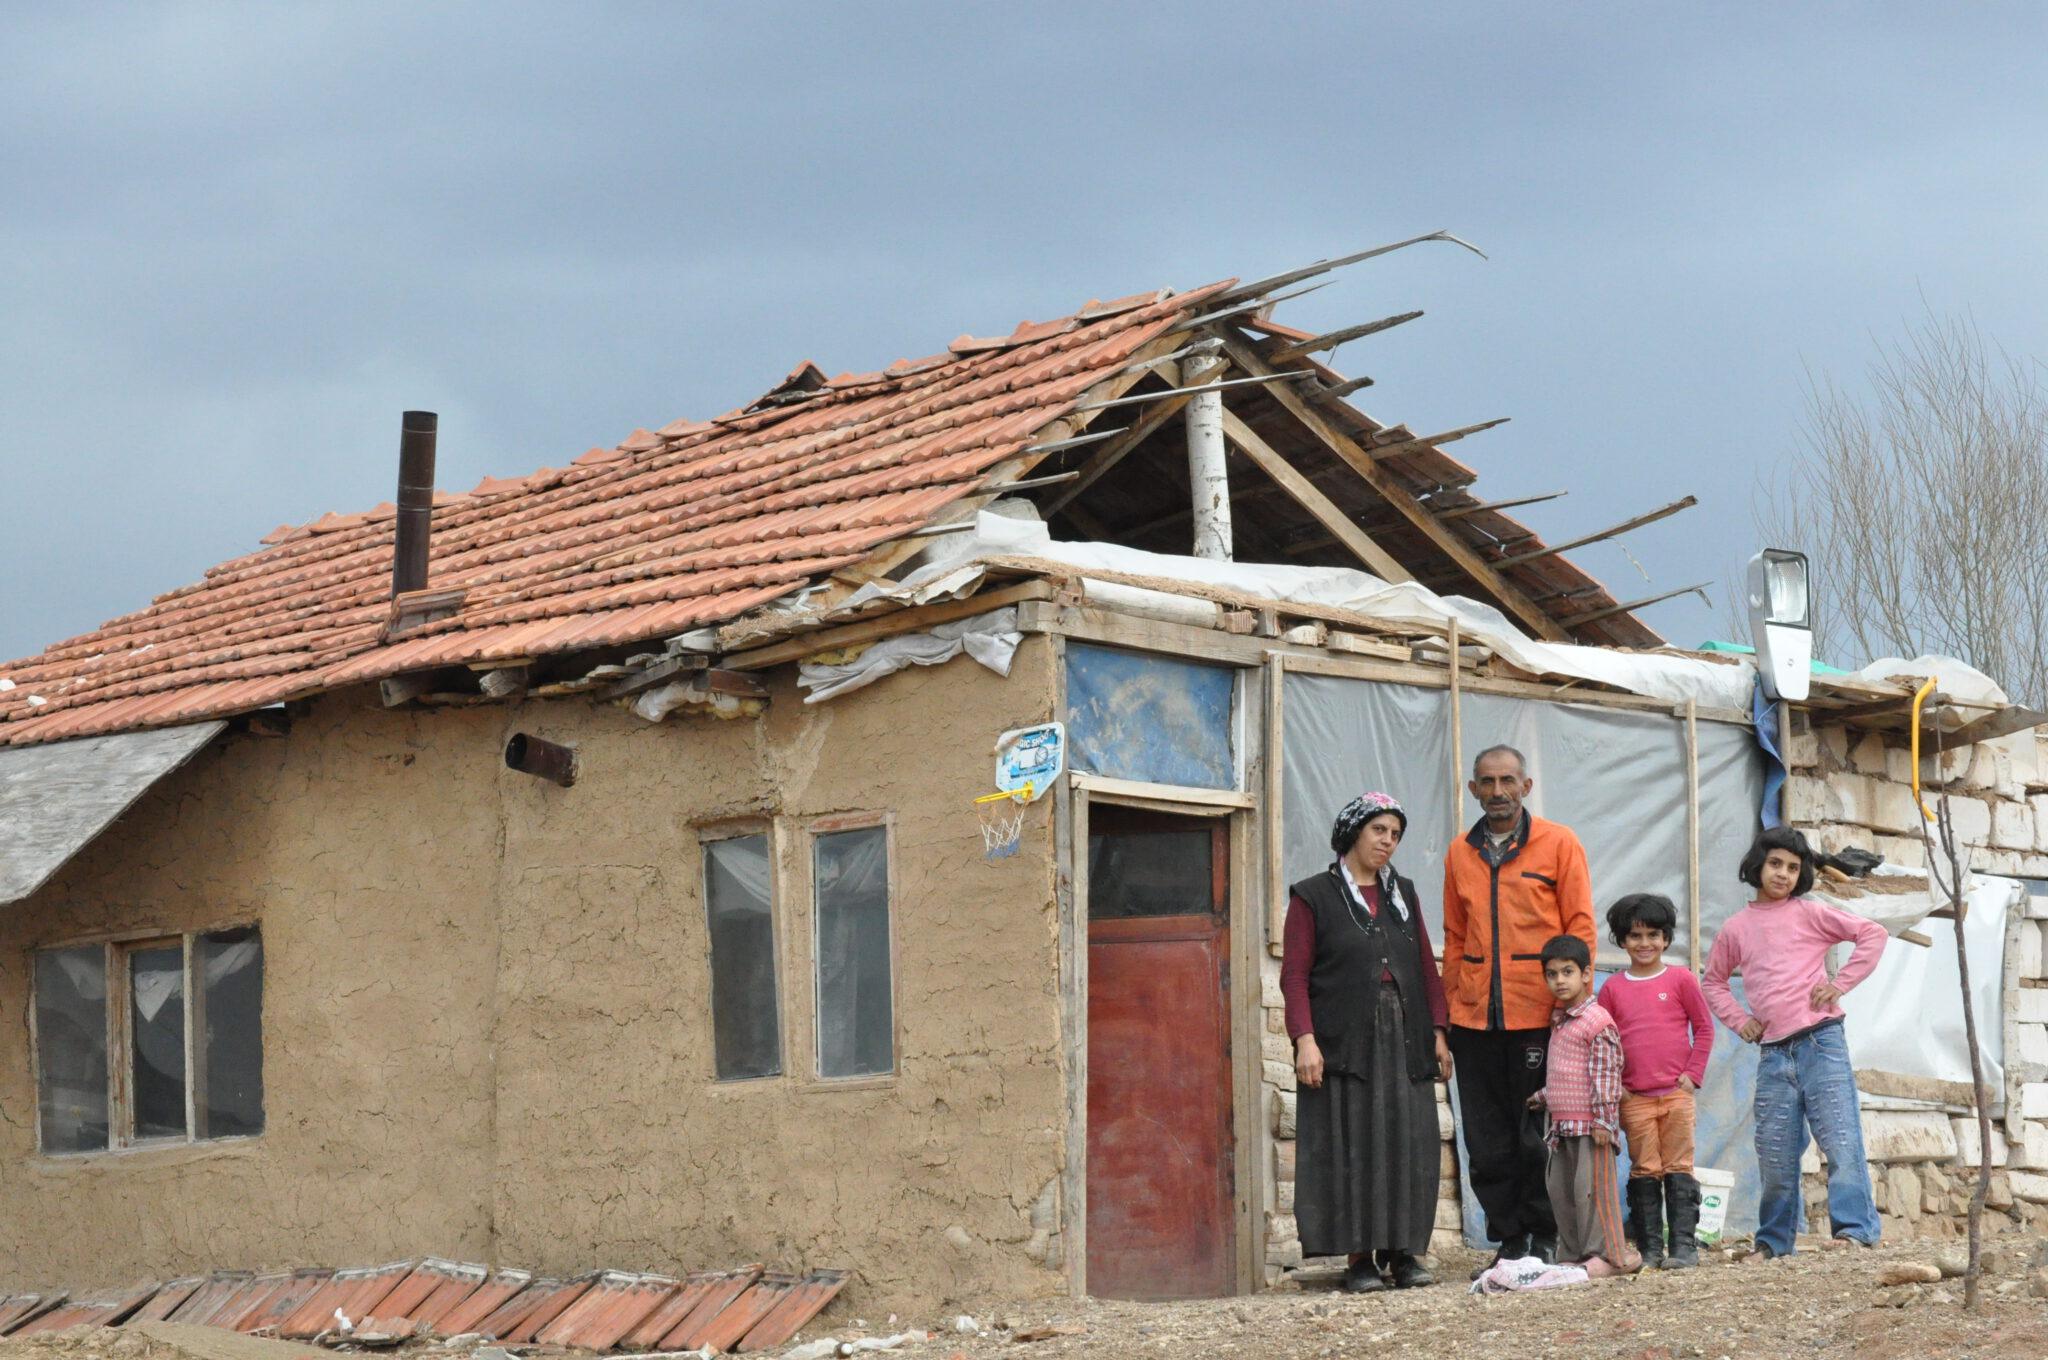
[[485, 875]]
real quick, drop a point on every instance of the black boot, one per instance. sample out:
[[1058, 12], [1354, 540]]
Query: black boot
[[1646, 1217], [1682, 1201]]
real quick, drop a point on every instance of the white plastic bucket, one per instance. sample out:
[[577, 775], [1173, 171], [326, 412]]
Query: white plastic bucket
[[1715, 1188]]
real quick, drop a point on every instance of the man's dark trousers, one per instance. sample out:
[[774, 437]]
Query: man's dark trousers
[[1498, 1070]]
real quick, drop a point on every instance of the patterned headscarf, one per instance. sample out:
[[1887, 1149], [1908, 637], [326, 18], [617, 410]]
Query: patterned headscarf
[[1357, 813], [1351, 820]]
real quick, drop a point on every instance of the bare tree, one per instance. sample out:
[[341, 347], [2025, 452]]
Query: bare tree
[[1947, 872], [1923, 504]]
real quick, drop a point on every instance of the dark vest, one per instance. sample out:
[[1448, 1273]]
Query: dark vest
[[1353, 948]]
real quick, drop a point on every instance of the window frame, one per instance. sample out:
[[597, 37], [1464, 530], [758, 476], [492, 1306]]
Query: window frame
[[708, 836], [815, 1077], [116, 948]]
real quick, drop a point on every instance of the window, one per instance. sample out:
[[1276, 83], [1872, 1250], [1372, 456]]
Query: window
[[746, 1028], [171, 1051], [856, 1013]]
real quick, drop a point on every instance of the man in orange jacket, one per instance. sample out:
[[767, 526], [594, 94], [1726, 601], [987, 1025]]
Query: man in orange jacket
[[1511, 883]]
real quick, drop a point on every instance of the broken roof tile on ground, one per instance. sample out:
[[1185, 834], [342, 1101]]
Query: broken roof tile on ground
[[698, 523], [742, 1309]]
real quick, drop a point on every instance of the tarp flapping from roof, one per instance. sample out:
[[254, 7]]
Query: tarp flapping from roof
[[54, 799]]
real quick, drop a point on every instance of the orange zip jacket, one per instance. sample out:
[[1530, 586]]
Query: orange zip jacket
[[1497, 920]]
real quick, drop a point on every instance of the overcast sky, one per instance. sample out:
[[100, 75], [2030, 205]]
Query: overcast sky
[[236, 241]]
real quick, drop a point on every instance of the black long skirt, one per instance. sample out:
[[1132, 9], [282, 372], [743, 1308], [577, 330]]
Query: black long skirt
[[1366, 1151]]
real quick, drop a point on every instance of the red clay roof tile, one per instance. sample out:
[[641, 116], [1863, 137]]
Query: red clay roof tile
[[692, 525]]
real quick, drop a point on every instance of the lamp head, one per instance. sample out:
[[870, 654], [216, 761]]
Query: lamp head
[[1781, 622]]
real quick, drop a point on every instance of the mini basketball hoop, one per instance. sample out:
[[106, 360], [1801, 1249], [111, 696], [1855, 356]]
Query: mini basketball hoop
[[1002, 820]]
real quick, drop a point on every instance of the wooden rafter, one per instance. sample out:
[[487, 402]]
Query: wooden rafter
[[1327, 512], [1425, 441], [1112, 453], [1382, 481], [1460, 511], [1631, 606], [1315, 344], [1638, 522]]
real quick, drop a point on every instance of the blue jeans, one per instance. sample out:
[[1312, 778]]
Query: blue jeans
[[1808, 1083]]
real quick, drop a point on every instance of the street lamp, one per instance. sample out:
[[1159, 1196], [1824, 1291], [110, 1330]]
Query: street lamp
[[1781, 622]]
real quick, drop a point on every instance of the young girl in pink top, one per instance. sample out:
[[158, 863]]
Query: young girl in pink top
[[1666, 1038], [1779, 943]]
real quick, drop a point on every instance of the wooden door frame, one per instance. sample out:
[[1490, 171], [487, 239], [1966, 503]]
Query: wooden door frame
[[1245, 938]]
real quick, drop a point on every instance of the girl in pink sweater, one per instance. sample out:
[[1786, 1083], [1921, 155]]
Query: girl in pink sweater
[[1779, 943]]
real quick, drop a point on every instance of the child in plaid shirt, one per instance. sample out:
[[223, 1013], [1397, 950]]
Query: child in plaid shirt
[[1582, 1092]]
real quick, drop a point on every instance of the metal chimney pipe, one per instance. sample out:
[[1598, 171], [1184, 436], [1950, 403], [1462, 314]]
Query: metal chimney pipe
[[542, 758], [415, 501]]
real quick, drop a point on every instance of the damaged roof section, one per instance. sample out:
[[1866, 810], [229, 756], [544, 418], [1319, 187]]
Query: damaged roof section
[[824, 482]]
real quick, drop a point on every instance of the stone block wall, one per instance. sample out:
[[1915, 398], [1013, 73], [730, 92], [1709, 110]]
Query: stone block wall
[[1848, 788]]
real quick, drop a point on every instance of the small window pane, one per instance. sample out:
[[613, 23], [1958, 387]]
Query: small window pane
[[856, 1027], [745, 1028], [1149, 873], [156, 1022], [229, 1095], [71, 1048]]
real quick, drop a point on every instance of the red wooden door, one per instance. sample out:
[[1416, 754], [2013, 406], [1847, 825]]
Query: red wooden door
[[1161, 1179]]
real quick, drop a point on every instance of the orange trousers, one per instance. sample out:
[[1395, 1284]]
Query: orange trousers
[[1659, 1132]]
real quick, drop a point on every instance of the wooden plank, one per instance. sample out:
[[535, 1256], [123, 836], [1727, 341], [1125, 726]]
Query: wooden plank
[[1479, 507], [660, 673], [1102, 786], [1114, 452], [1692, 832], [1635, 522], [1331, 339], [1457, 719], [1270, 825], [1155, 635], [1380, 480], [1432, 676], [1395, 447], [883, 625], [1326, 511]]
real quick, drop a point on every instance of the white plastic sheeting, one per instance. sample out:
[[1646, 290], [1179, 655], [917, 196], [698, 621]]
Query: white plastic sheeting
[[1615, 776], [989, 638], [1907, 1017]]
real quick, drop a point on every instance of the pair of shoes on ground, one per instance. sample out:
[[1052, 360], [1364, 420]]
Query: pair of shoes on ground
[[1515, 1246], [1386, 1269], [1651, 1200]]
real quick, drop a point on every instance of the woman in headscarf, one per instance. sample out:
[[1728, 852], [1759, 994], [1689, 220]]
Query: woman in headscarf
[[1365, 1009]]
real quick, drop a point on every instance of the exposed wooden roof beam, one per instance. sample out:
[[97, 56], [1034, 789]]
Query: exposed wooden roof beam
[[1345, 389], [1326, 511], [1113, 452], [1424, 441], [1316, 344], [1638, 522], [1577, 619], [1382, 481], [1267, 285], [1460, 511]]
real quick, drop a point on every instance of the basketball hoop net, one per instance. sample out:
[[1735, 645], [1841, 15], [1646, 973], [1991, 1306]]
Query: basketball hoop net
[[1002, 820]]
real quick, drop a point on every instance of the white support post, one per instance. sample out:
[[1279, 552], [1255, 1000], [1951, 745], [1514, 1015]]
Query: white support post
[[1208, 476]]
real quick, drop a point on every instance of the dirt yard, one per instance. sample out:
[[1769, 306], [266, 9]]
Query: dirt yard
[[1816, 1304]]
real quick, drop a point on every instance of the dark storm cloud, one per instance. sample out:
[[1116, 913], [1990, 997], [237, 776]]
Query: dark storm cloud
[[238, 240]]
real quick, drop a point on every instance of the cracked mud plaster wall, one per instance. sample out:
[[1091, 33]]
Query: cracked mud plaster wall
[[614, 1142], [362, 843], [487, 1029]]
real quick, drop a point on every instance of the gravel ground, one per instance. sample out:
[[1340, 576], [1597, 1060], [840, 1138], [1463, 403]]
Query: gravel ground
[[1819, 1303], [1816, 1303]]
